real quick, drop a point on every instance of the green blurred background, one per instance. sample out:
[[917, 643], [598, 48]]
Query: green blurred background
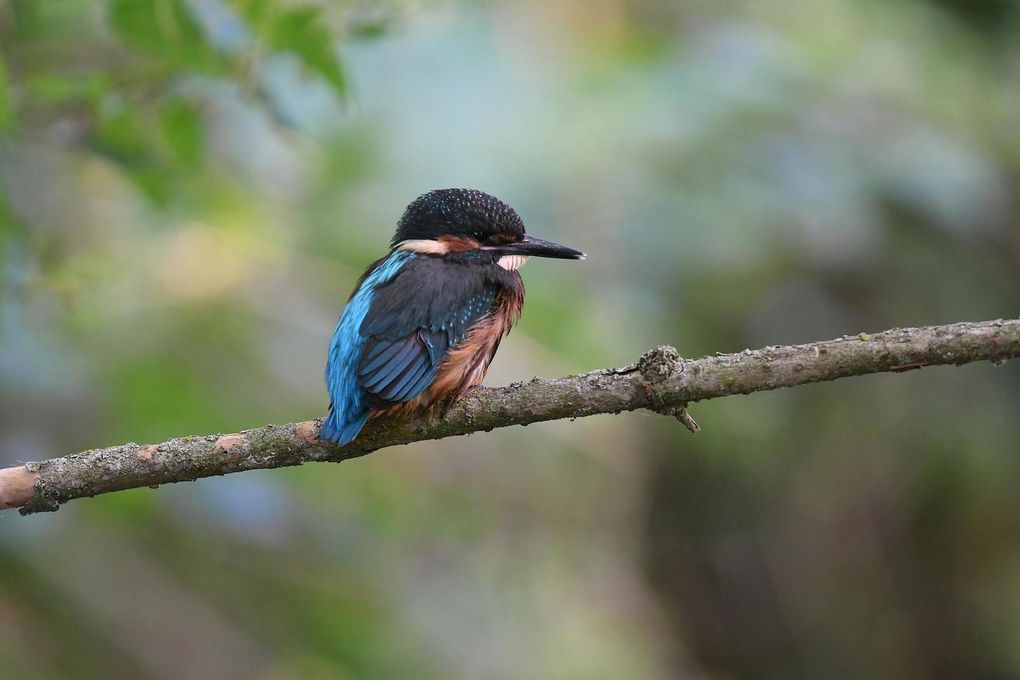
[[190, 188]]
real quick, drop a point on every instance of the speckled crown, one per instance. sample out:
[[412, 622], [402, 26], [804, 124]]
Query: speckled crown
[[457, 212]]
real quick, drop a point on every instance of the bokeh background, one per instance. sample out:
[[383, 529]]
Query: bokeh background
[[190, 188]]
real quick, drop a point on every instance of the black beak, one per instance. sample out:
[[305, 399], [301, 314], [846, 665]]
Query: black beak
[[536, 247]]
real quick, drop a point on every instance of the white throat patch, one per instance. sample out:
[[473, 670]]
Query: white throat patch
[[512, 263]]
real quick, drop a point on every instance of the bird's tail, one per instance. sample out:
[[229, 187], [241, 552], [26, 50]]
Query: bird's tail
[[342, 430]]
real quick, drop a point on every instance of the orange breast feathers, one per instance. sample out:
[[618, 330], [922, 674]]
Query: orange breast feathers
[[466, 364]]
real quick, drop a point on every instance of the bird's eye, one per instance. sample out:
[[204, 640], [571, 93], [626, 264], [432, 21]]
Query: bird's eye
[[479, 236]]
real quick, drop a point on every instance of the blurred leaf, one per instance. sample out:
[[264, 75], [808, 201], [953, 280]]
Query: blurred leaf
[[298, 30], [164, 28], [255, 11], [58, 88], [153, 182], [119, 132], [369, 29], [123, 136], [6, 114], [155, 150], [181, 122]]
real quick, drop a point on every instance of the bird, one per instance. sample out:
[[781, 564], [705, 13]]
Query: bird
[[425, 321]]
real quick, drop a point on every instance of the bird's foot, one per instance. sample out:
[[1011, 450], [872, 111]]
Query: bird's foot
[[443, 408], [471, 390]]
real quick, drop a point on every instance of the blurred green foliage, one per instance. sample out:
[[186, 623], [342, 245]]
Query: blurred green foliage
[[190, 188], [165, 32], [297, 30], [6, 116]]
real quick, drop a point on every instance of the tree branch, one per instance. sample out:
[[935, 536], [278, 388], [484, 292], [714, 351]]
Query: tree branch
[[660, 381]]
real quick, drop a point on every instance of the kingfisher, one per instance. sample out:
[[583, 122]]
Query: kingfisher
[[425, 321]]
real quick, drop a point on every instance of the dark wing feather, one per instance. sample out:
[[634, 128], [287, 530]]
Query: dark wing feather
[[414, 321]]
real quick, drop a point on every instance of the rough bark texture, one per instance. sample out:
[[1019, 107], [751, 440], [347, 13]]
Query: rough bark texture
[[661, 381]]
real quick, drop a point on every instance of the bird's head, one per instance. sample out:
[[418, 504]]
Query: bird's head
[[474, 226]]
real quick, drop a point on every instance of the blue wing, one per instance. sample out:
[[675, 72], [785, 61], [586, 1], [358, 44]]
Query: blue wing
[[347, 410], [400, 362], [392, 337], [396, 371]]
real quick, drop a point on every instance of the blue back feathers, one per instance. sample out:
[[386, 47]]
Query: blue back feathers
[[348, 411]]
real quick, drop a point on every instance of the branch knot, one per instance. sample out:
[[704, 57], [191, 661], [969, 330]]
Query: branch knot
[[658, 364], [656, 367]]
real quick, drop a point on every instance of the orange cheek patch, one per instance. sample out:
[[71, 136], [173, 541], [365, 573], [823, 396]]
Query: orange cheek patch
[[459, 244]]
